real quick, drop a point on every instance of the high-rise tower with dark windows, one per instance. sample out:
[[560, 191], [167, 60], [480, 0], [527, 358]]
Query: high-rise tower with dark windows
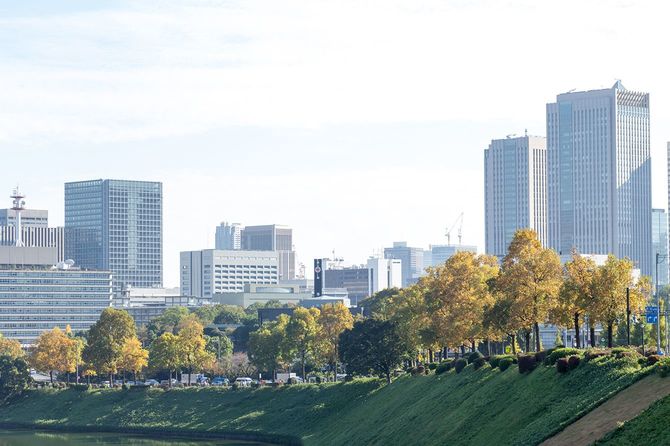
[[116, 225]]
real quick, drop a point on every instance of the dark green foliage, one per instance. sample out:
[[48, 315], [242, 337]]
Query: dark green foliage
[[376, 305], [80, 387], [541, 356], [443, 367], [505, 363], [596, 353], [562, 353], [495, 360], [420, 370], [348, 378], [627, 354], [372, 346], [663, 367], [478, 363], [527, 363], [562, 365], [432, 365], [653, 359], [573, 362], [617, 350], [474, 356], [14, 377], [460, 364]]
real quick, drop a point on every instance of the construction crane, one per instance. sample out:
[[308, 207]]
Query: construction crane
[[460, 229]]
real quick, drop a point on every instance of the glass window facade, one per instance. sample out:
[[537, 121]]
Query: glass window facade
[[116, 225]]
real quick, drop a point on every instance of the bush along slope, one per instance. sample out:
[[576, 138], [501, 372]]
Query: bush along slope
[[475, 407]]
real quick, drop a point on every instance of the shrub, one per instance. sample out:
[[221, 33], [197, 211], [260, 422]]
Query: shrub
[[292, 381], [561, 353], [348, 378], [460, 364], [573, 362], [504, 363], [479, 363], [627, 354], [495, 360], [432, 365], [443, 367], [235, 386], [617, 350], [472, 357], [593, 354], [653, 359], [527, 363], [541, 356], [420, 370], [562, 365], [80, 387], [663, 367], [642, 361], [276, 384]]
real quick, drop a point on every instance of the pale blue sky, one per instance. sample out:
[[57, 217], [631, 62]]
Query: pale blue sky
[[357, 122]]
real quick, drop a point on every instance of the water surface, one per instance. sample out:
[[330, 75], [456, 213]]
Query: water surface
[[44, 438]]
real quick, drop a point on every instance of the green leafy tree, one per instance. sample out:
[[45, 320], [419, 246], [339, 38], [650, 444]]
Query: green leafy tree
[[106, 339], [333, 320], [266, 346], [166, 354], [14, 376], [380, 304], [372, 346], [230, 314], [168, 321], [302, 335]]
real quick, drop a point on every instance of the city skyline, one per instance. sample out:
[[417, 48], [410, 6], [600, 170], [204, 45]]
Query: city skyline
[[84, 98]]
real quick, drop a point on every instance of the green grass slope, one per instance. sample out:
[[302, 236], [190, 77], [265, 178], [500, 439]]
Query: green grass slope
[[650, 427], [475, 407]]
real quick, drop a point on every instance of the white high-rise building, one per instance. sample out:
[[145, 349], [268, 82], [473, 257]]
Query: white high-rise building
[[599, 174], [211, 271], [515, 190], [383, 274]]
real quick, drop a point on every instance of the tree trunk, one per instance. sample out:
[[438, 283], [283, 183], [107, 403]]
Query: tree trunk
[[170, 378], [135, 375], [462, 350], [513, 336], [610, 327], [111, 379], [593, 336], [527, 335], [430, 355], [488, 347], [536, 327], [388, 377], [88, 380], [302, 363], [577, 340], [51, 376], [67, 378]]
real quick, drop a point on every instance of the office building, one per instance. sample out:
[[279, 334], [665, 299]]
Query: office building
[[37, 293], [283, 294], [116, 225], [383, 274], [228, 236], [515, 179], [35, 236], [411, 261], [659, 236], [272, 238], [356, 280], [441, 253], [210, 271], [145, 304], [599, 174], [30, 218]]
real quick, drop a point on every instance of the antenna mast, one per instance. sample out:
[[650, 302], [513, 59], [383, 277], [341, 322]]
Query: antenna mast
[[18, 205]]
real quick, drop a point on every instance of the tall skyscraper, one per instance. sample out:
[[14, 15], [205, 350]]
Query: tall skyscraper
[[116, 225], [599, 174], [659, 235], [438, 254], [228, 236], [515, 172], [412, 261], [272, 238]]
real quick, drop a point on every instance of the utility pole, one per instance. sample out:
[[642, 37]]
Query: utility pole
[[628, 316]]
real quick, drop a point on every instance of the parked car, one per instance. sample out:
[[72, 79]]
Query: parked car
[[151, 382], [220, 381], [244, 382], [166, 382]]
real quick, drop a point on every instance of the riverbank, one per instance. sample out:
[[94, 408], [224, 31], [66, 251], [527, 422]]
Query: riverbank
[[474, 407]]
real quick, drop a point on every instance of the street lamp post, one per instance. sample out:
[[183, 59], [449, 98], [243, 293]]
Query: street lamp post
[[659, 350]]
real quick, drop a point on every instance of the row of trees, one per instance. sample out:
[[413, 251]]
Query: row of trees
[[307, 335], [471, 298]]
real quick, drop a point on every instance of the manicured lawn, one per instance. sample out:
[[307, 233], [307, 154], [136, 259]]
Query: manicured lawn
[[482, 407]]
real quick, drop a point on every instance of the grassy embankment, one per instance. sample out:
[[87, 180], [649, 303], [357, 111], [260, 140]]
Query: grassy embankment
[[650, 427], [475, 407]]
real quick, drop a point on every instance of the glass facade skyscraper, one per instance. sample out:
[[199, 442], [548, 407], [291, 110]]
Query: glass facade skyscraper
[[412, 261], [116, 225], [659, 235], [515, 172], [599, 174]]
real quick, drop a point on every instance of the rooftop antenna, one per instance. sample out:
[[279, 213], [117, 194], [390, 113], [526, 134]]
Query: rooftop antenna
[[18, 205]]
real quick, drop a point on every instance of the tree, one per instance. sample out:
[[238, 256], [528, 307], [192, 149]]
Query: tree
[[166, 354], [574, 297], [609, 293], [133, 357], [372, 346], [333, 320], [106, 339], [266, 345], [219, 345], [379, 304], [14, 376], [55, 351], [192, 345], [230, 314], [457, 293], [302, 334], [168, 321], [11, 348], [531, 279]]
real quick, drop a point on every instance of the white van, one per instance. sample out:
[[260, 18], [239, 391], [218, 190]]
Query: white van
[[243, 382]]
